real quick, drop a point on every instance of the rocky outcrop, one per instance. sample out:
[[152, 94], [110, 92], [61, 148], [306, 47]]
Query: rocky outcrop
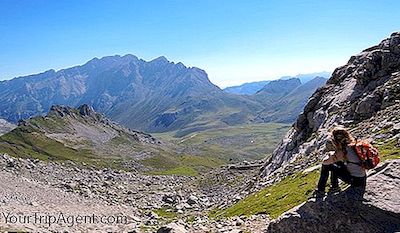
[[5, 127], [80, 132], [378, 213], [81, 111], [366, 89]]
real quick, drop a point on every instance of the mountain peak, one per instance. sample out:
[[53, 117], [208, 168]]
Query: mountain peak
[[84, 110], [160, 59], [60, 110], [112, 60], [130, 57], [317, 79]]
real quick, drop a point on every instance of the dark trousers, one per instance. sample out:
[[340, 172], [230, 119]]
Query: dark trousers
[[339, 171]]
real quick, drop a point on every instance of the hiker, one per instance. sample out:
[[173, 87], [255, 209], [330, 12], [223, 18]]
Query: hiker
[[342, 162]]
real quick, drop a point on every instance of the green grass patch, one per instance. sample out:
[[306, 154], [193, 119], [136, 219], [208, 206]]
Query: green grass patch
[[161, 162], [166, 213], [119, 140], [200, 163], [52, 124], [190, 219], [24, 142], [274, 200], [388, 150], [231, 143]]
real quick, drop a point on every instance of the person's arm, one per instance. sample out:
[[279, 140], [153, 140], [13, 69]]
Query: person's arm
[[330, 158]]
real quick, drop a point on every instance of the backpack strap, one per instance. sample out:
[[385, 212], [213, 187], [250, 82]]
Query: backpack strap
[[352, 146]]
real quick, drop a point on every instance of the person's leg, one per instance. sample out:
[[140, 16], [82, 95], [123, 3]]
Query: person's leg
[[359, 185], [334, 180], [339, 170], [323, 179]]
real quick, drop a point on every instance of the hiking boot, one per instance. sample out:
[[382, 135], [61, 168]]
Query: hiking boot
[[318, 194], [334, 190]]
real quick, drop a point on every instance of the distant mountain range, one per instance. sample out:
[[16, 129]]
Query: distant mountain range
[[287, 98], [151, 96], [307, 77], [253, 87], [246, 88], [154, 96]]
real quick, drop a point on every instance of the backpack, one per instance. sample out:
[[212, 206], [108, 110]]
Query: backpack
[[368, 154]]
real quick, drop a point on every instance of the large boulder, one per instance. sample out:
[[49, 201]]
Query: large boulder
[[378, 213]]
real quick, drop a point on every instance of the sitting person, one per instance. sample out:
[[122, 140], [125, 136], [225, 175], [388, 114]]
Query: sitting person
[[343, 163]]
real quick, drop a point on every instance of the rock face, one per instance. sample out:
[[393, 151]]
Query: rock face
[[363, 95], [5, 127], [380, 212]]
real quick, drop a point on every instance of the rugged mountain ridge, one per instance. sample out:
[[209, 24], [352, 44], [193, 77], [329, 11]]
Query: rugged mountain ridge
[[307, 77], [246, 88], [150, 96], [362, 95], [277, 89], [80, 135], [253, 87], [154, 96], [289, 104]]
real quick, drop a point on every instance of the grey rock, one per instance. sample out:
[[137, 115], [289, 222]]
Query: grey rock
[[172, 228], [170, 198], [380, 212], [192, 200], [396, 128]]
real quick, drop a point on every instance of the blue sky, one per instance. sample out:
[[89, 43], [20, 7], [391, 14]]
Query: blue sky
[[235, 41]]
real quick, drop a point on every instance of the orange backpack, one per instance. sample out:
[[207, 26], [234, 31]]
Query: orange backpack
[[368, 154]]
